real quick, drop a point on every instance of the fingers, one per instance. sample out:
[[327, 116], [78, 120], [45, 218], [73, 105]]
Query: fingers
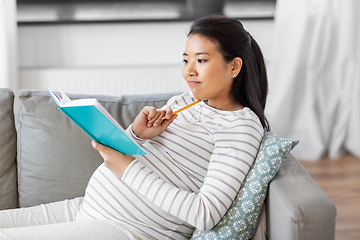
[[101, 149], [166, 123], [95, 145], [168, 113], [104, 150], [116, 161], [98, 146], [152, 115], [157, 116]]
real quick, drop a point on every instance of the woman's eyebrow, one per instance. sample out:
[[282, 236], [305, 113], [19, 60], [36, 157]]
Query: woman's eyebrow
[[199, 53]]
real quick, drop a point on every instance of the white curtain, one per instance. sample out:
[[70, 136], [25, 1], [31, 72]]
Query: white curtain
[[314, 76], [8, 45]]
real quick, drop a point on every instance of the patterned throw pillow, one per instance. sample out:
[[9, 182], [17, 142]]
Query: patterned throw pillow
[[241, 220]]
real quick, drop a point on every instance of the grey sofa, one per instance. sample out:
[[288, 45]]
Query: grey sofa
[[44, 157]]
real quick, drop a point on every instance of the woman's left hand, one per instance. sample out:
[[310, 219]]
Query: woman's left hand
[[116, 161]]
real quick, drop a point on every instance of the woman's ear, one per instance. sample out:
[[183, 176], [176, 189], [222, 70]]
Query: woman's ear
[[236, 67]]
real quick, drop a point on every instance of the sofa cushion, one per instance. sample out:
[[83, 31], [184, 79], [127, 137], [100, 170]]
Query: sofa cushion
[[55, 157], [242, 219], [8, 186]]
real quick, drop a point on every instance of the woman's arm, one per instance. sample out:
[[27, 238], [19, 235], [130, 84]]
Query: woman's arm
[[149, 123]]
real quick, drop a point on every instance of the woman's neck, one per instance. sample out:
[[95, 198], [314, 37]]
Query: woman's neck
[[224, 106]]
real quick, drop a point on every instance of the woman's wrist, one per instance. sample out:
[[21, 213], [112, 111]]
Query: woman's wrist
[[119, 168]]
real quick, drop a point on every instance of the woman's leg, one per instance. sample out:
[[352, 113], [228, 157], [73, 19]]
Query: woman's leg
[[78, 230], [58, 212], [56, 221]]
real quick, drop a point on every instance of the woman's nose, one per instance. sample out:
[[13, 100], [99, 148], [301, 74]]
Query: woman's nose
[[191, 71]]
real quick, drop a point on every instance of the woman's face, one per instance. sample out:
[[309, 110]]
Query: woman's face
[[207, 74]]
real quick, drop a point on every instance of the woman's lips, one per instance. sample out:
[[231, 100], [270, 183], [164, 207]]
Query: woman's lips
[[193, 83]]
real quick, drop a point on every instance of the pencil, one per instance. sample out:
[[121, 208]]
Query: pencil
[[183, 108]]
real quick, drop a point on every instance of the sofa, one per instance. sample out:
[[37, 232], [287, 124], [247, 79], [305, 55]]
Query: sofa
[[45, 157]]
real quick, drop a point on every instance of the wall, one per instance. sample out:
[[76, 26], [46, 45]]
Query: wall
[[112, 58]]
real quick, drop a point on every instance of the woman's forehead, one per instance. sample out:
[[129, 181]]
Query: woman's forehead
[[200, 43]]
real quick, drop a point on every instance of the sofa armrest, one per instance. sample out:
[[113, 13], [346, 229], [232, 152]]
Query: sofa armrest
[[8, 176], [297, 208]]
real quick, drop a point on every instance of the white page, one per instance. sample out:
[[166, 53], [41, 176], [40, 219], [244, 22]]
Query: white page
[[64, 98]]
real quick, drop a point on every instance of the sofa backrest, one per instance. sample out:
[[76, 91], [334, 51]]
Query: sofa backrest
[[55, 158], [8, 187]]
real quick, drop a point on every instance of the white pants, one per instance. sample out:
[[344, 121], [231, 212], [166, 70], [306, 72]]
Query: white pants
[[57, 221]]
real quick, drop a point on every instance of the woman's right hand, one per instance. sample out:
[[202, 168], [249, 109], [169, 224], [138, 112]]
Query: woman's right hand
[[151, 122]]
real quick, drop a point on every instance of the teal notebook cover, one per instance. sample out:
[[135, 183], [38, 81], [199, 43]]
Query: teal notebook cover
[[99, 125]]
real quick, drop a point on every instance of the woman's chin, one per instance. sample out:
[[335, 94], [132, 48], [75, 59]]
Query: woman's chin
[[195, 94]]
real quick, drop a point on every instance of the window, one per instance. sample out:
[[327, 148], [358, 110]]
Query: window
[[70, 11]]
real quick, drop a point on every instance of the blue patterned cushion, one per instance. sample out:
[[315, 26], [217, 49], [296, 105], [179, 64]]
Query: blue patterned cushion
[[241, 220]]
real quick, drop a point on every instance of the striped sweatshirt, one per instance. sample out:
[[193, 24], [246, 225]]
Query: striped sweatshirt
[[188, 178]]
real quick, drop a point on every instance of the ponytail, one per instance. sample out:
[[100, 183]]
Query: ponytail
[[263, 83]]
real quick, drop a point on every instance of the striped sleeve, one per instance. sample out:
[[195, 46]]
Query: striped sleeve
[[133, 137], [235, 151]]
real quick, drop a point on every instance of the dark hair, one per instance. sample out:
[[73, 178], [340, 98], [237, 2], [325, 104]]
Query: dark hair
[[250, 87]]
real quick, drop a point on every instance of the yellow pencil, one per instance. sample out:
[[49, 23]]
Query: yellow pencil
[[183, 108]]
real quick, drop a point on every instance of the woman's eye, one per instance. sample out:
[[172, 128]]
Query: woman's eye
[[185, 61], [201, 60]]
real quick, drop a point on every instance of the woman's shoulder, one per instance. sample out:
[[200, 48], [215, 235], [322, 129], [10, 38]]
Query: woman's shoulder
[[246, 116], [243, 121]]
